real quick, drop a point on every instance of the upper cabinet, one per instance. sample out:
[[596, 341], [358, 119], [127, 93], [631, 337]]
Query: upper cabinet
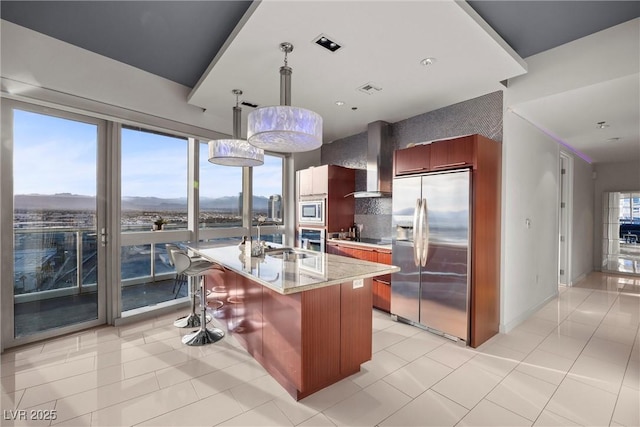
[[439, 155], [412, 160], [331, 183], [452, 153], [314, 181]]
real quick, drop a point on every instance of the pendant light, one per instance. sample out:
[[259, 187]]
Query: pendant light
[[235, 152], [283, 128]]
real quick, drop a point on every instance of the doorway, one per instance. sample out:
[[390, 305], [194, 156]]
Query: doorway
[[55, 229], [621, 230]]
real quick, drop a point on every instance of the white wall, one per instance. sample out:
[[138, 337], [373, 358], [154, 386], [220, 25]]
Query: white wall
[[582, 220], [531, 169], [530, 192], [611, 177]]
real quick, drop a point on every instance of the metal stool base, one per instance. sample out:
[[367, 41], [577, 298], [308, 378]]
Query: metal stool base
[[190, 321], [203, 336]]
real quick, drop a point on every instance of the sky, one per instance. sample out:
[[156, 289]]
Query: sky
[[54, 155]]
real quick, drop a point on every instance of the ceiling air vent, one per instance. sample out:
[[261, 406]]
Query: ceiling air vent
[[369, 88]]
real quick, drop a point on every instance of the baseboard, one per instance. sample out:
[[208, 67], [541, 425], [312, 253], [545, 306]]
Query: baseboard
[[505, 328], [578, 279]]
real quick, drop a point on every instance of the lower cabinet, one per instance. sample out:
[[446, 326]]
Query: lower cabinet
[[307, 340], [381, 284]]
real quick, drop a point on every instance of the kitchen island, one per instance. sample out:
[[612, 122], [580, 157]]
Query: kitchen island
[[304, 316]]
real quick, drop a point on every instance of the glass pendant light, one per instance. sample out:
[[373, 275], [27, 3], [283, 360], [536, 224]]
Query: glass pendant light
[[283, 128], [235, 152]]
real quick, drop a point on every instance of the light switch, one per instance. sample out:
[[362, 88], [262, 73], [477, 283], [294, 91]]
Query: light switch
[[358, 283]]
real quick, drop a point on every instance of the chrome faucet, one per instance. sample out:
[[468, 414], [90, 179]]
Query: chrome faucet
[[262, 222]]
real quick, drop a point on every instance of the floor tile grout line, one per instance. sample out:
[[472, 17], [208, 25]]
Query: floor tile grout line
[[573, 364], [615, 405]]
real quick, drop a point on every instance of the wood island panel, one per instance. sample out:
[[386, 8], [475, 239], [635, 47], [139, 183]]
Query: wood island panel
[[307, 340], [248, 318], [282, 339], [356, 326]]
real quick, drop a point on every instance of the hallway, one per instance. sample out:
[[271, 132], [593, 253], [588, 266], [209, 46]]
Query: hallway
[[574, 362]]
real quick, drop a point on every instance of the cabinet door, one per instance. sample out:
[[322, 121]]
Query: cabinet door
[[384, 257], [412, 160], [381, 294], [305, 182], [452, 153], [366, 254], [334, 249], [320, 179]]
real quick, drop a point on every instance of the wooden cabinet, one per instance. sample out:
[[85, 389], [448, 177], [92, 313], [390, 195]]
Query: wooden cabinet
[[412, 160], [452, 153], [381, 284], [305, 182], [307, 340], [437, 156], [314, 181], [483, 157], [330, 183]]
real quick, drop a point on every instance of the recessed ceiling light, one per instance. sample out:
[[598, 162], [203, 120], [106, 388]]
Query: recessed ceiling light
[[339, 103], [428, 61], [325, 42], [615, 139], [602, 125]]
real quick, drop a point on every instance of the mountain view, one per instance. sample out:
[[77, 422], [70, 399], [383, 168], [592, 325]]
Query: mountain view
[[67, 201]]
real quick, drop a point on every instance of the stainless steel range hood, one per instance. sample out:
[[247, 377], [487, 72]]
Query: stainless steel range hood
[[379, 161]]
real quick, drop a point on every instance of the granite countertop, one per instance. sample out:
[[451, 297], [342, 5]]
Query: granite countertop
[[367, 243], [284, 276]]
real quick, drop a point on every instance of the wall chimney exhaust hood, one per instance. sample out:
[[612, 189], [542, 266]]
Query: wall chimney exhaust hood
[[379, 164]]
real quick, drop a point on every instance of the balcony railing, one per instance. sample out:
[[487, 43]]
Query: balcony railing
[[56, 261]]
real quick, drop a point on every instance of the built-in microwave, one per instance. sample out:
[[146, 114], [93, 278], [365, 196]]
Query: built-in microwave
[[311, 212]]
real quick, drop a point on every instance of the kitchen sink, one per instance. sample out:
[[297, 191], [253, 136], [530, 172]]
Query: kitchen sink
[[288, 254]]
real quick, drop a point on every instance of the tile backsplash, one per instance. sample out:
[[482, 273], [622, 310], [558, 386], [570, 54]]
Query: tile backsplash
[[481, 115]]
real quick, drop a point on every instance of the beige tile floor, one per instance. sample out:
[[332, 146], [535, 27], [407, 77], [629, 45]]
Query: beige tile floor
[[575, 362]]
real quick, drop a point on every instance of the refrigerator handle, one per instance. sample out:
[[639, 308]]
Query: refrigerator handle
[[416, 233], [425, 235]]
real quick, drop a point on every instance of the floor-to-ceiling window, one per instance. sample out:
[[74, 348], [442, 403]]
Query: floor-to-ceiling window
[[268, 200], [153, 188], [58, 215], [67, 179], [220, 189]]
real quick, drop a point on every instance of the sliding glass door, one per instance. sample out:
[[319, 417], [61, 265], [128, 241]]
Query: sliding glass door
[[57, 277]]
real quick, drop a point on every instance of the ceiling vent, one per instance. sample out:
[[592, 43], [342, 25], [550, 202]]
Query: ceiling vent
[[369, 88]]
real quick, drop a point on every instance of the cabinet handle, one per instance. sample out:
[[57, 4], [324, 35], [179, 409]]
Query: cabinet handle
[[450, 165], [414, 169], [381, 281]]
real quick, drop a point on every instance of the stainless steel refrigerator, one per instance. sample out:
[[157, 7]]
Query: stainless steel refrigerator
[[431, 245]]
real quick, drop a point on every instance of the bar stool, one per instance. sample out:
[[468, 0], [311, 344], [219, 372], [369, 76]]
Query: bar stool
[[192, 320], [180, 279], [195, 269]]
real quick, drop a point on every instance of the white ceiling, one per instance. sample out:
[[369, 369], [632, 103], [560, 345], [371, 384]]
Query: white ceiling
[[383, 43], [573, 116]]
